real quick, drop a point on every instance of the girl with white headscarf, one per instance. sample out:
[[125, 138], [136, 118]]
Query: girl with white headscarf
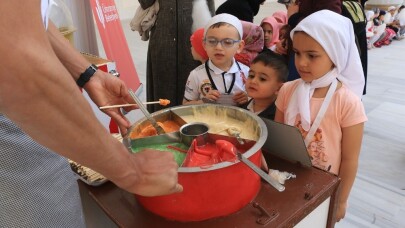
[[325, 103]]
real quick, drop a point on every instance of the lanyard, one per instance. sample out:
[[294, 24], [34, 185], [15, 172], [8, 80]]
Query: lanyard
[[321, 112], [223, 79]]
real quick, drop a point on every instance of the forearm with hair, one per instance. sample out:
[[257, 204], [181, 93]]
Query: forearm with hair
[[73, 60], [38, 94]]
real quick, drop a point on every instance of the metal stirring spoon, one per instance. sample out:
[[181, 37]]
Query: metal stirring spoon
[[228, 150], [152, 120], [235, 132]]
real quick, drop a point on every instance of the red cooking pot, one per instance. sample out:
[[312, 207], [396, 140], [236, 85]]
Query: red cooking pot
[[214, 191]]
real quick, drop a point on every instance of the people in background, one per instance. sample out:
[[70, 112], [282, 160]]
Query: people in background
[[245, 10], [389, 19], [388, 34], [281, 17], [283, 46], [168, 66], [197, 48], [355, 12], [400, 17], [372, 33], [271, 29], [391, 22], [254, 41]]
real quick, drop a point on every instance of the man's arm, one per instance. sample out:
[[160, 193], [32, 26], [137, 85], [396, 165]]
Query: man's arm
[[103, 88], [38, 94]]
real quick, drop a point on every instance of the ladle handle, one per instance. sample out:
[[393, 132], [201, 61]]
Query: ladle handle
[[158, 128], [240, 140], [261, 173]]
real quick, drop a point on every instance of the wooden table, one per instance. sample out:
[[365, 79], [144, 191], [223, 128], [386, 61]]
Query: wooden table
[[302, 195]]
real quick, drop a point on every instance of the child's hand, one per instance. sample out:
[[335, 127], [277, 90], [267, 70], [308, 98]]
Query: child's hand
[[213, 95], [240, 97], [341, 211]]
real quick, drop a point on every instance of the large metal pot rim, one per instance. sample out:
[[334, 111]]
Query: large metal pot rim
[[256, 147]]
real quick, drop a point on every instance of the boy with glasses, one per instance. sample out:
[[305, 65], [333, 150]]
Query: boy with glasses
[[221, 79]]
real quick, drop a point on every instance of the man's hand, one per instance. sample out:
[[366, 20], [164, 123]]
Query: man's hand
[[106, 89], [156, 174]]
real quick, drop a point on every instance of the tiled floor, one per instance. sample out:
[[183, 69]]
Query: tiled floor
[[378, 195]]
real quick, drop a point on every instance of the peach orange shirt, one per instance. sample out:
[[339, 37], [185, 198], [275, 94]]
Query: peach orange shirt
[[345, 110]]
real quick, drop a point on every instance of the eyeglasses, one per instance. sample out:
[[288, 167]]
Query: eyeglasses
[[226, 43]]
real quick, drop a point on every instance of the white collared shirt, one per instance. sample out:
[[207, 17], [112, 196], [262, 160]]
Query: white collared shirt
[[198, 83]]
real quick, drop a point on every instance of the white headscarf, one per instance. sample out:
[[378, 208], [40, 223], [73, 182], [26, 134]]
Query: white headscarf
[[335, 34], [227, 18]]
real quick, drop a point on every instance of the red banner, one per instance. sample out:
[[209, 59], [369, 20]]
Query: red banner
[[114, 42]]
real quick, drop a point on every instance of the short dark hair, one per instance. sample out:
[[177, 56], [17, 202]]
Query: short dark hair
[[382, 12], [275, 61]]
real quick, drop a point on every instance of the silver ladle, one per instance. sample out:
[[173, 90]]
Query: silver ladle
[[235, 132], [142, 107], [227, 147]]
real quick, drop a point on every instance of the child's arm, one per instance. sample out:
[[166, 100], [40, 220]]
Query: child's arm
[[240, 98], [212, 95], [187, 102], [279, 116], [351, 144]]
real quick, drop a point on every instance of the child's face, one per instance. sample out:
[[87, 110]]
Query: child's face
[[283, 34], [262, 82], [268, 32], [222, 56], [311, 60]]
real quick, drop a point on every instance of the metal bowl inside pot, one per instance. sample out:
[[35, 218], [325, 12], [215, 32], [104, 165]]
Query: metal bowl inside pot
[[195, 130], [214, 191]]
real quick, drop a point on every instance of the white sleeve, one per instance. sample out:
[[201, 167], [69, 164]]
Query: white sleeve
[[45, 10], [191, 92], [241, 86], [246, 75]]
